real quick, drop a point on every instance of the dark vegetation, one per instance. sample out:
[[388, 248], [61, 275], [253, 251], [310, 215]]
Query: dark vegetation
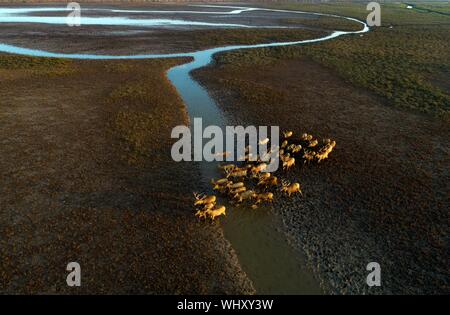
[[402, 63]]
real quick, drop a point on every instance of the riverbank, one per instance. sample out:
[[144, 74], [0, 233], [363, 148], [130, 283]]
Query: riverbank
[[87, 177]]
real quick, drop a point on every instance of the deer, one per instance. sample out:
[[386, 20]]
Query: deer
[[267, 181], [322, 155], [309, 156], [296, 148], [236, 173], [238, 190], [268, 197], [264, 176], [217, 211], [324, 152], [290, 147], [273, 181], [246, 195], [289, 188], [200, 214], [262, 197], [313, 143], [264, 141], [201, 199], [222, 189], [231, 186], [209, 206], [258, 169], [219, 184], [285, 157], [235, 185], [288, 163], [221, 181]]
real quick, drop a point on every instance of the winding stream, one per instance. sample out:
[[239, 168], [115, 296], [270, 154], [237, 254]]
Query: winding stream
[[271, 263]]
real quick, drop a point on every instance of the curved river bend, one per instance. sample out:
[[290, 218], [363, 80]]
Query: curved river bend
[[272, 264]]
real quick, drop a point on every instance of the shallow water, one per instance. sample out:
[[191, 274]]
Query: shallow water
[[271, 263]]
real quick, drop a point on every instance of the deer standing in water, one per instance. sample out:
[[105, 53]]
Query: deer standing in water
[[217, 211]]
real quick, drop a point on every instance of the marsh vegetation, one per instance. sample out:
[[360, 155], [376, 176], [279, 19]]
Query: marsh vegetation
[[86, 173], [401, 64]]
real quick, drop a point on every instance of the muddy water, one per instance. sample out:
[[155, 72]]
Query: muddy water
[[271, 263]]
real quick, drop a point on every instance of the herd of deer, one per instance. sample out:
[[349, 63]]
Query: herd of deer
[[249, 183]]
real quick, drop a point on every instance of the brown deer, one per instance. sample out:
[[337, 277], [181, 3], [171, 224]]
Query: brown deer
[[267, 197], [287, 134], [201, 199], [255, 170], [289, 188], [246, 195], [236, 173], [288, 163]]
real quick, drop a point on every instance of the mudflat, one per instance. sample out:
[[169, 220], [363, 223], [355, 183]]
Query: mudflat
[[86, 176]]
